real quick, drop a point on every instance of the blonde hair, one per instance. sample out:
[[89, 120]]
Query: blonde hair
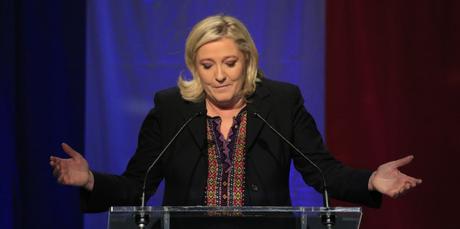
[[211, 29]]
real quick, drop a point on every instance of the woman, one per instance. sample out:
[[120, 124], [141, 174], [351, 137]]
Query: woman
[[229, 156]]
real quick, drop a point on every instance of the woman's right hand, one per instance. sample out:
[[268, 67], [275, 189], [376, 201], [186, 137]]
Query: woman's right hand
[[72, 171]]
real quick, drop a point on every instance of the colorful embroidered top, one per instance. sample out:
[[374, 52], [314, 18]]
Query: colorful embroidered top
[[226, 158]]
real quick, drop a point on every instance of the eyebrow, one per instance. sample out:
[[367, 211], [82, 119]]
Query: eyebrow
[[225, 58]]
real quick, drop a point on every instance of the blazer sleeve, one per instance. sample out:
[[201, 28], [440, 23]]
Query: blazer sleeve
[[343, 182], [126, 189]]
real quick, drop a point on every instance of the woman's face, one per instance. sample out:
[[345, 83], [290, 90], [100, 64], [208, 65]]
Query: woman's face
[[220, 66]]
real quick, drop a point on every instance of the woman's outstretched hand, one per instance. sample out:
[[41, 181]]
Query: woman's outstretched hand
[[72, 171], [389, 180]]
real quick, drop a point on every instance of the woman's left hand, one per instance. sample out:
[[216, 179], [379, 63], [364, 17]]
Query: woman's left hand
[[388, 180]]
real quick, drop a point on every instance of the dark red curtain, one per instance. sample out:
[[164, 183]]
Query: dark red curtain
[[393, 89]]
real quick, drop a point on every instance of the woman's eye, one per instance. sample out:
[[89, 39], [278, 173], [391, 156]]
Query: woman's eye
[[207, 66], [231, 64]]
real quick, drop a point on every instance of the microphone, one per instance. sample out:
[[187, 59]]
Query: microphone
[[328, 219], [143, 218]]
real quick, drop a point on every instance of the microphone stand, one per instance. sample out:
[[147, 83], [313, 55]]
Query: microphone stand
[[328, 218], [142, 218]]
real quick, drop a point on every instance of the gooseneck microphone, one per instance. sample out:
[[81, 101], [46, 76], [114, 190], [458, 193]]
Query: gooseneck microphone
[[328, 219], [142, 218]]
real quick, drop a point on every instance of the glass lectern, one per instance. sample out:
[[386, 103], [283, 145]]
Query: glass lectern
[[266, 217]]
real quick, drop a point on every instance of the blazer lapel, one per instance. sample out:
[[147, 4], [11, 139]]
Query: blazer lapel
[[197, 126], [259, 105], [194, 175]]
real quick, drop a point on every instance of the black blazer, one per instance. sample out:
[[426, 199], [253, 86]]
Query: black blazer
[[268, 159]]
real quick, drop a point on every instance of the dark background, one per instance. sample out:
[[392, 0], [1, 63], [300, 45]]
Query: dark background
[[392, 89]]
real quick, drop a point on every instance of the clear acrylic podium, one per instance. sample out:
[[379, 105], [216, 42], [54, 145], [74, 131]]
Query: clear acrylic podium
[[266, 217]]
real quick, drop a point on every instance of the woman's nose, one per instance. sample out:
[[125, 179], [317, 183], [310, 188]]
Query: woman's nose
[[220, 75]]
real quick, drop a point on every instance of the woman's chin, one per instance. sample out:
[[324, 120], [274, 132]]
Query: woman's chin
[[224, 102]]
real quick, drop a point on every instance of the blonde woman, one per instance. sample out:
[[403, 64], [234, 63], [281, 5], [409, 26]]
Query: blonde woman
[[226, 155]]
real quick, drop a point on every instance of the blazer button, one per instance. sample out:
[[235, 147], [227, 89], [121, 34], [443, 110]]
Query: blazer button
[[254, 188]]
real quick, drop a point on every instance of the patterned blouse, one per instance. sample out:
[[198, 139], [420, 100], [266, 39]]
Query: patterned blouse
[[226, 158]]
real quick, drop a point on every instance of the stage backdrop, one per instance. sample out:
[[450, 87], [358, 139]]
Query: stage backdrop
[[135, 48], [393, 89], [42, 46]]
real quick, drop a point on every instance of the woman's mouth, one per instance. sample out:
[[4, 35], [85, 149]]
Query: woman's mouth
[[221, 86]]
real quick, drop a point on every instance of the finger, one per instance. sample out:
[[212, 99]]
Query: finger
[[408, 186], [70, 151], [60, 180], [58, 172], [54, 159], [407, 179], [395, 194], [416, 182], [406, 189], [63, 178], [55, 172], [412, 180], [403, 161], [54, 163]]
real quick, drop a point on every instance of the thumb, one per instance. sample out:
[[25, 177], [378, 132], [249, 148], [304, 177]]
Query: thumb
[[403, 161], [70, 151]]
